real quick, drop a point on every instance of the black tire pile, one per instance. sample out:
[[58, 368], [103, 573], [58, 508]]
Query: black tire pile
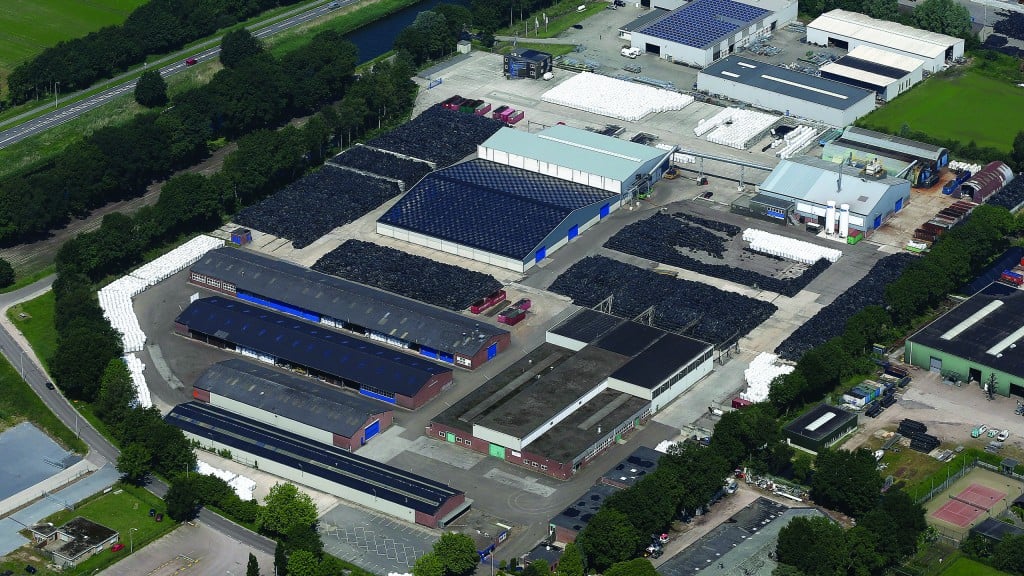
[[408, 275], [376, 162], [830, 321], [314, 205], [681, 306], [439, 135], [908, 427], [1011, 25], [660, 238], [1011, 196]]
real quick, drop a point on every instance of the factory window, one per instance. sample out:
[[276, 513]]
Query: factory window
[[440, 433], [543, 466], [534, 464]]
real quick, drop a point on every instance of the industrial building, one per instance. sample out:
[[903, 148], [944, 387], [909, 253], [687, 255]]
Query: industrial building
[[786, 91], [292, 403], [381, 373], [595, 379], [989, 180], [526, 64], [764, 207], [914, 161], [381, 316], [77, 540], [977, 341], [848, 30], [837, 197], [634, 468], [888, 74], [568, 524], [820, 428], [702, 31], [338, 472], [508, 217]]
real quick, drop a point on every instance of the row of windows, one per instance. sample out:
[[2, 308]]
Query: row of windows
[[378, 391], [212, 282], [683, 373], [467, 441], [535, 464]]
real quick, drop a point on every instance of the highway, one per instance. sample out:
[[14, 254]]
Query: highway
[[23, 360], [211, 49]]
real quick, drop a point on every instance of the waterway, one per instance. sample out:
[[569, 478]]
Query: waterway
[[378, 37]]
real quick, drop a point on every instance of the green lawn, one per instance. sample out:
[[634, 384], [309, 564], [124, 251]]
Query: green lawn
[[967, 567], [29, 26], [19, 403], [35, 320], [937, 108]]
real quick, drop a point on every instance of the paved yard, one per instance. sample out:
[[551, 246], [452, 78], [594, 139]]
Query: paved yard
[[373, 541], [190, 550]]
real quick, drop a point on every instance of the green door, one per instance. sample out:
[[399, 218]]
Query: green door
[[450, 437], [497, 451]]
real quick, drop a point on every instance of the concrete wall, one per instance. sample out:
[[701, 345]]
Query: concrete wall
[[920, 355], [784, 104]]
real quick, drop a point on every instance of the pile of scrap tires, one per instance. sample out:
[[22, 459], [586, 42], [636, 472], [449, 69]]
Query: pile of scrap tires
[[438, 135], [408, 275], [314, 205], [372, 161], [830, 321], [691, 308], [1011, 25], [1011, 196], [661, 237]]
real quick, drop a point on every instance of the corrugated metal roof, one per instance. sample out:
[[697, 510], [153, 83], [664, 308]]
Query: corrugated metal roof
[[293, 397], [883, 33], [885, 58], [838, 69], [815, 180], [781, 80], [894, 143], [577, 149]]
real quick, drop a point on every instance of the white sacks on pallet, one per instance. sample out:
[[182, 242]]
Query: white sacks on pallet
[[734, 127], [763, 369], [614, 98], [135, 369], [796, 141], [788, 248], [242, 485]]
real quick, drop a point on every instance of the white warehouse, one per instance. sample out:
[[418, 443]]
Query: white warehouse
[[848, 30], [889, 74]]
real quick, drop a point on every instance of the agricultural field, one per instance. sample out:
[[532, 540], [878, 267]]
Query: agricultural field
[[29, 26], [936, 108]]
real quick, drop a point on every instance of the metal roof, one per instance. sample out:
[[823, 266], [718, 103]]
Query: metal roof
[[996, 529], [788, 82], [820, 422], [296, 398], [648, 17], [816, 180], [577, 149], [704, 23], [322, 460], [895, 143], [893, 60], [312, 345], [577, 515], [586, 325], [670, 354], [843, 70], [641, 462], [347, 301], [496, 208], [884, 33]]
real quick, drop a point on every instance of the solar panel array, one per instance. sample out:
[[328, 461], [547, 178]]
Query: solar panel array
[[492, 207], [704, 22]]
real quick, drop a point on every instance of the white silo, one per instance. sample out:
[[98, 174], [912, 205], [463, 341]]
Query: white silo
[[830, 217], [844, 219]]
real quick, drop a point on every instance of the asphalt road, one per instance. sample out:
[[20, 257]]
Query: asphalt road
[[59, 116], [98, 445]]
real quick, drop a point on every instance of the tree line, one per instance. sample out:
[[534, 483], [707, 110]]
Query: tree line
[[942, 16], [156, 27]]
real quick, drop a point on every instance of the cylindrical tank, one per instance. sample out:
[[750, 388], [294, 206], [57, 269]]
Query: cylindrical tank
[[830, 217], [844, 219]]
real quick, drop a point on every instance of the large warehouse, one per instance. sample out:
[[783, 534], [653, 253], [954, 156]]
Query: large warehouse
[[812, 183], [786, 91], [338, 472], [976, 341], [887, 73], [821, 427], [848, 30], [381, 373], [381, 316], [702, 31], [298, 405], [497, 214], [917, 162], [595, 379]]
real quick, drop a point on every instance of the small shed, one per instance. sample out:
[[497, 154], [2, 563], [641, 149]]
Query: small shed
[[241, 236], [463, 46], [81, 539]]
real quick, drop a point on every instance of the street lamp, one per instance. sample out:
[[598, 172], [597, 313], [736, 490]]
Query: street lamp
[[56, 91], [131, 540]]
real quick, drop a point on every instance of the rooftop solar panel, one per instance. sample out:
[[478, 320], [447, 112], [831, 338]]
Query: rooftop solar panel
[[704, 22]]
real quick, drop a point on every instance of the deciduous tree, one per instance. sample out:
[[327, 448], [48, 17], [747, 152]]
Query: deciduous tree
[[634, 567], [608, 538], [238, 46], [150, 89], [846, 481], [134, 463], [457, 553], [571, 563], [284, 508], [6, 273]]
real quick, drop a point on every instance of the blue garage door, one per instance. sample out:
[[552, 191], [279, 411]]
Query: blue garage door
[[574, 231], [372, 430], [541, 254], [605, 210], [899, 204], [492, 350], [878, 221]]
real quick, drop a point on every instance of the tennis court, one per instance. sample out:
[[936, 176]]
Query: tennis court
[[964, 508], [979, 495]]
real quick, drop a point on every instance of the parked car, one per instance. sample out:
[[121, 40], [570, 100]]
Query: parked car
[[191, 61], [578, 26], [707, 194], [117, 547], [979, 430], [1003, 435], [993, 433], [620, 3], [159, 518], [49, 386], [152, 512], [671, 174], [30, 569]]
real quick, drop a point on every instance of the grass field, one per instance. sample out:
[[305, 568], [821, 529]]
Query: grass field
[[966, 567], [19, 403], [29, 26], [939, 107], [37, 326]]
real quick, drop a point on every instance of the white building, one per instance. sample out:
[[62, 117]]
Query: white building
[[888, 74], [848, 30]]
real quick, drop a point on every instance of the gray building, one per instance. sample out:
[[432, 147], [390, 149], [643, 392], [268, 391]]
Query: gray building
[[812, 183], [786, 91], [702, 31], [888, 74], [820, 428]]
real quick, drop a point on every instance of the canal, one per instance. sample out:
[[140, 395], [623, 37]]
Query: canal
[[378, 37]]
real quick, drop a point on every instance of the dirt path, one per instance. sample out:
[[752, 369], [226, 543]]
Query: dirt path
[[31, 257]]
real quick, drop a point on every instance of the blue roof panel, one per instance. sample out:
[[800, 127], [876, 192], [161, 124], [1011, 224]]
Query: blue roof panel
[[702, 23], [300, 342]]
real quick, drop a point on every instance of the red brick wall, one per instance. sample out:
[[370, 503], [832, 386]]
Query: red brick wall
[[566, 535], [201, 395], [432, 521], [503, 340], [343, 442], [556, 469], [433, 387]]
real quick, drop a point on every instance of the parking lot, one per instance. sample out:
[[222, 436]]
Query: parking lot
[[373, 541], [190, 550]]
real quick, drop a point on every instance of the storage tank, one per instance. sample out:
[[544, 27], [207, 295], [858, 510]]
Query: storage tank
[[844, 220], [830, 217]]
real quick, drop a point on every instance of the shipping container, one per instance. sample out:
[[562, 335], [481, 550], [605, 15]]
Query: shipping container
[[483, 109], [523, 304], [516, 117], [496, 114], [511, 316], [507, 114], [496, 297], [739, 403]]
